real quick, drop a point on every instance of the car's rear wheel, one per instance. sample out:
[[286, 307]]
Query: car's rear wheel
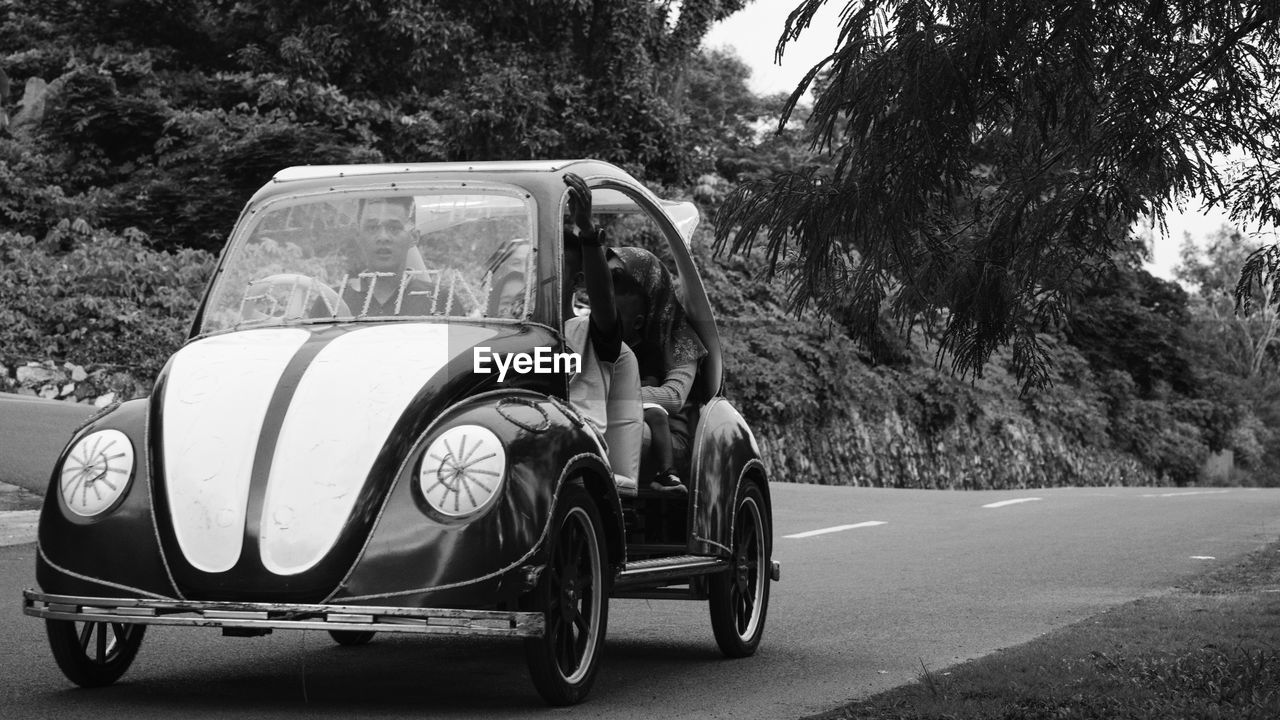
[[572, 594], [351, 638], [93, 654], [739, 598]]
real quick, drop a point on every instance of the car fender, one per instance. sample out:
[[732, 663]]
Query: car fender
[[417, 556], [725, 456], [118, 551]]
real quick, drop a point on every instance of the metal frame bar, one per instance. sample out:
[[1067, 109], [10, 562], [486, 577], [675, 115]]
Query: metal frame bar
[[281, 616], [658, 572]]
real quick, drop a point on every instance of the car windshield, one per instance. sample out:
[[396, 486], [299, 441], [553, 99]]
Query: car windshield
[[378, 255]]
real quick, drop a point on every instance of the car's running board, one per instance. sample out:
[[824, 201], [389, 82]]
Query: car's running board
[[282, 616], [668, 569]]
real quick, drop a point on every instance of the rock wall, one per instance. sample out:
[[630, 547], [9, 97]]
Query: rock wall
[[891, 452]]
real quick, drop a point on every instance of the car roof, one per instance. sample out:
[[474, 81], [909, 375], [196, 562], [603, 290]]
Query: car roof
[[315, 172], [684, 214]]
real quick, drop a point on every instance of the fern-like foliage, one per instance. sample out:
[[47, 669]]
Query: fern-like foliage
[[990, 157]]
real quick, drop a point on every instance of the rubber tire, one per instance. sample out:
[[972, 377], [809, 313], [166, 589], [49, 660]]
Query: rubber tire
[[576, 520], [736, 634], [352, 638], [65, 640]]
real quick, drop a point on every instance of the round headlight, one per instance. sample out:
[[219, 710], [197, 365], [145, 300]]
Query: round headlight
[[96, 472], [462, 470]]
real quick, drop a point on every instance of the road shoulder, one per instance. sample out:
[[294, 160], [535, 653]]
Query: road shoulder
[[19, 513], [1210, 649]]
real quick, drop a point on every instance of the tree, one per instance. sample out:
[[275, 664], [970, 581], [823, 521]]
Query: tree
[[1130, 321], [166, 114], [717, 102], [991, 156], [1247, 332]]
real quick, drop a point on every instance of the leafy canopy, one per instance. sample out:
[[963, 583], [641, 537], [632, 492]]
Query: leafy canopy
[[989, 157], [167, 114], [1241, 316]]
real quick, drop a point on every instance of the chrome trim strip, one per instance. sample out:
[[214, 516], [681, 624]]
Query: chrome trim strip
[[665, 569], [283, 616]]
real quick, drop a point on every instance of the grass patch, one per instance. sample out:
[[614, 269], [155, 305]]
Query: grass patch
[[1209, 650]]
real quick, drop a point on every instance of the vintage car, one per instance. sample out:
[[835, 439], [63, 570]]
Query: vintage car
[[321, 455]]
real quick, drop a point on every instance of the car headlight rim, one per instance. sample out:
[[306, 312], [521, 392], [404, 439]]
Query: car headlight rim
[[461, 472], [96, 473]]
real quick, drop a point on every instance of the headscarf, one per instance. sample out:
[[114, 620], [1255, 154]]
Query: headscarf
[[667, 340]]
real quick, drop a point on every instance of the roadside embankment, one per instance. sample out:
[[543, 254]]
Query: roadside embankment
[[1207, 650]]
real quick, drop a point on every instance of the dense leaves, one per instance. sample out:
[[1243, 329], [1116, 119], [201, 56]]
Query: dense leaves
[[1234, 349], [975, 169], [1242, 312], [990, 156], [172, 111], [104, 299], [1131, 321]]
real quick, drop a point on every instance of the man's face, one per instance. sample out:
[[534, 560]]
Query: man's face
[[385, 236]]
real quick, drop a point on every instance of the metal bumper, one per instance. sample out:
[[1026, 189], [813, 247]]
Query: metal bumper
[[279, 616]]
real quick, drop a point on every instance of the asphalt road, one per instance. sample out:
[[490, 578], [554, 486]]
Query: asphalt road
[[940, 579], [32, 433]]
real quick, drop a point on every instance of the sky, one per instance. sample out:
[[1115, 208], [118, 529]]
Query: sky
[[754, 31]]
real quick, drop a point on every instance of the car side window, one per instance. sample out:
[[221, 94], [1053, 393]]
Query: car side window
[[628, 224]]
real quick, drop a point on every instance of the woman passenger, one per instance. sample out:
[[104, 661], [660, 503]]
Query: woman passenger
[[606, 390], [654, 325]]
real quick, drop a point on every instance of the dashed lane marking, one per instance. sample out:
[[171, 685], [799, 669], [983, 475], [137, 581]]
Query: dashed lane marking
[[1014, 501], [837, 528], [1203, 557], [1189, 492]]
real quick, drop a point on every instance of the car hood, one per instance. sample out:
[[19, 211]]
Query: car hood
[[268, 435]]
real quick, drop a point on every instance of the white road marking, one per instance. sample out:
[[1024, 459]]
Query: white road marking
[[1189, 492], [1015, 501], [1203, 557], [837, 528]]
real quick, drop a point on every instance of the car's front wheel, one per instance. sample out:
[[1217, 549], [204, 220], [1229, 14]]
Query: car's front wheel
[[740, 597], [572, 595], [93, 654]]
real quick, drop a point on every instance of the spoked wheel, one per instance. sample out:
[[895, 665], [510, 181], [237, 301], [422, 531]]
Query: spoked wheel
[[572, 594], [740, 597], [93, 654], [351, 638]]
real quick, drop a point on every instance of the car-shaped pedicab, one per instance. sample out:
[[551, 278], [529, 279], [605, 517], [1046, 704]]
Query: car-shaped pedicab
[[332, 450]]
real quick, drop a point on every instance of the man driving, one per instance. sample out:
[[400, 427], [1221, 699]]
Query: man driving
[[387, 286]]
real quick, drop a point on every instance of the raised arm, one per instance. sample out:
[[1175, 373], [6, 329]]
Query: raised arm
[[595, 268]]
